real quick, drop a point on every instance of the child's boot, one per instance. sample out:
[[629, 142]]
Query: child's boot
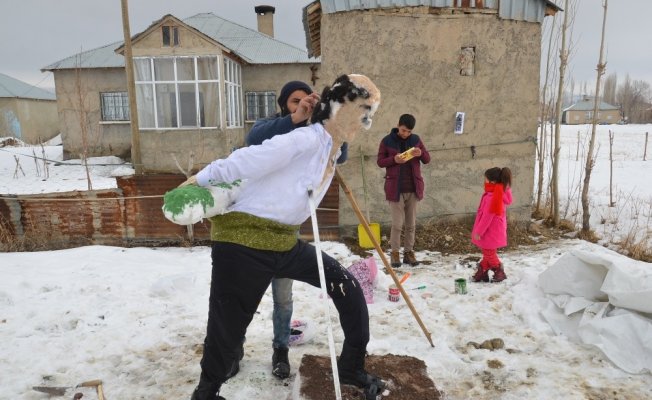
[[499, 274], [481, 275]]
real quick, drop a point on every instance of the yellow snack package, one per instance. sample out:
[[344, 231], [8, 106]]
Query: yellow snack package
[[407, 154]]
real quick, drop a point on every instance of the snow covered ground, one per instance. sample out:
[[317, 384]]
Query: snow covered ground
[[630, 219], [23, 171], [135, 318]]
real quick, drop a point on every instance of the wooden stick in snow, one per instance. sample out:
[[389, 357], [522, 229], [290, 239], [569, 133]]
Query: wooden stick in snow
[[382, 255]]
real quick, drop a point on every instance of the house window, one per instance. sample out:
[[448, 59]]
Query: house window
[[177, 92], [170, 36], [115, 106], [233, 93], [588, 115], [260, 105]]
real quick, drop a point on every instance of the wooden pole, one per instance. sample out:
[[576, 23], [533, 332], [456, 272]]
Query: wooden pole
[[645, 148], [136, 160], [577, 152], [322, 285], [381, 254], [611, 168]]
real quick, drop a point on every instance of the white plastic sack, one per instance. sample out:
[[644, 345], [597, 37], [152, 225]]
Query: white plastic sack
[[598, 298], [578, 274], [630, 286], [625, 337]]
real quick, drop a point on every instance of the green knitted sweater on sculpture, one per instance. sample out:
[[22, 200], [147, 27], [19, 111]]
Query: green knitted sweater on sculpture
[[251, 231]]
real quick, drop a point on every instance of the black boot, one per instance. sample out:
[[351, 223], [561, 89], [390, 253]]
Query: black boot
[[351, 372], [207, 390], [235, 368], [280, 363]]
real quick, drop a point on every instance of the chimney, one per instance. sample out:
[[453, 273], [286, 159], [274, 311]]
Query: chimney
[[265, 19]]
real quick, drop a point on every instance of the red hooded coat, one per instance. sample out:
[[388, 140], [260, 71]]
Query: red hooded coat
[[492, 228]]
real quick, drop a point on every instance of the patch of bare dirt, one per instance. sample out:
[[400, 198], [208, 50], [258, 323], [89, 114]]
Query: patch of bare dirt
[[455, 237], [406, 378]]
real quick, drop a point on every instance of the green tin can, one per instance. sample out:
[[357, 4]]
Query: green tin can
[[460, 286]]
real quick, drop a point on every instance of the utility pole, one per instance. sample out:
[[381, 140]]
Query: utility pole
[[136, 160]]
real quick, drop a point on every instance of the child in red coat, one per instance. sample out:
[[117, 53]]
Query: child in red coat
[[490, 227]]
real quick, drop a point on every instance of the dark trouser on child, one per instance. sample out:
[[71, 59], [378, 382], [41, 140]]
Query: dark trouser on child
[[240, 278], [490, 261]]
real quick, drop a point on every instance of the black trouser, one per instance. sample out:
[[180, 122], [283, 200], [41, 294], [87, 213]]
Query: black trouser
[[239, 280]]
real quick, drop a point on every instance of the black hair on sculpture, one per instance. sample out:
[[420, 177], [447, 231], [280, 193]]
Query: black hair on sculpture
[[341, 90]]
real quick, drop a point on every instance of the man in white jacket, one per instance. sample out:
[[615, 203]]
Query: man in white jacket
[[256, 240]]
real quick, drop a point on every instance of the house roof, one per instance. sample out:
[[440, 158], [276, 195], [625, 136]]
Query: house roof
[[11, 87], [250, 45], [101, 57], [586, 104], [517, 10], [528, 10]]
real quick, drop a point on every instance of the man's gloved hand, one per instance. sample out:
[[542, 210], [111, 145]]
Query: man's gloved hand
[[190, 181]]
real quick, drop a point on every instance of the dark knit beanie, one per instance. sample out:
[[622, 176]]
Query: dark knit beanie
[[287, 90]]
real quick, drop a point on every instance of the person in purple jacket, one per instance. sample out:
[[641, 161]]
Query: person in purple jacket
[[297, 101], [490, 228], [404, 185]]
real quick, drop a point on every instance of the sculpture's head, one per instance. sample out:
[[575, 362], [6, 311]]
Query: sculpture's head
[[346, 106]]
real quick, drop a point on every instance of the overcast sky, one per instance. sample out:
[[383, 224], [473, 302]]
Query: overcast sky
[[36, 33]]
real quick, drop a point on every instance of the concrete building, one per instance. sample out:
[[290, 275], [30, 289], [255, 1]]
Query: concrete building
[[200, 82], [26, 112], [467, 70], [582, 112]]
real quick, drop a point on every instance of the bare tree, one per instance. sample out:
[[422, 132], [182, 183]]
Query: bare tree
[[563, 62], [84, 122], [634, 98], [587, 91], [610, 85], [187, 172], [586, 212], [545, 115]]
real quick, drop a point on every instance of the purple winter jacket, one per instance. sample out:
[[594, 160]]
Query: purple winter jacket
[[391, 146], [491, 227]]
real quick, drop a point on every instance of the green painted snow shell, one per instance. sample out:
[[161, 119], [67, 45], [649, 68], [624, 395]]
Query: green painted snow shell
[[176, 200]]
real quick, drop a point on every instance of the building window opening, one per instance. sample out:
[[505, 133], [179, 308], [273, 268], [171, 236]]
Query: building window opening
[[260, 105], [170, 36]]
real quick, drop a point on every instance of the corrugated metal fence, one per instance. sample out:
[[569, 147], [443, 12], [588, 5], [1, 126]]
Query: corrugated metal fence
[[129, 215]]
